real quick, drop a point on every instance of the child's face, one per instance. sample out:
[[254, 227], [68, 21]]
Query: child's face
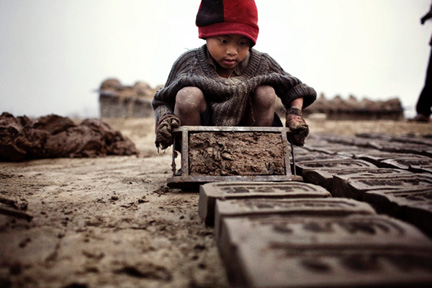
[[228, 51]]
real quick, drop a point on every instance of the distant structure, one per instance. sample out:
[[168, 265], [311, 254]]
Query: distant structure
[[352, 109], [121, 101]]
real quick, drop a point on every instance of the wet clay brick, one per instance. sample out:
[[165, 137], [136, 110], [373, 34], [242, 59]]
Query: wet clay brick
[[348, 268], [224, 153], [411, 205], [388, 145], [353, 251], [231, 154], [354, 186], [324, 177], [305, 207], [303, 232], [333, 164], [313, 156], [398, 138], [337, 149], [407, 148], [344, 150], [353, 142], [235, 190], [376, 157], [416, 164]]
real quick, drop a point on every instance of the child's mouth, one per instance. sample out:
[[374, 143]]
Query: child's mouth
[[229, 62]]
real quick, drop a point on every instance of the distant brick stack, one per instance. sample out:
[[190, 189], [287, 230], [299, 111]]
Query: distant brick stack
[[352, 109], [120, 101]]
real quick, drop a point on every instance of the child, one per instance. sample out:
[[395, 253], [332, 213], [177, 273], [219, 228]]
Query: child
[[226, 82]]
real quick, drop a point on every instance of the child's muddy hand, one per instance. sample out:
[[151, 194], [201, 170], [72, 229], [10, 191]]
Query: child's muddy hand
[[296, 123], [164, 136]]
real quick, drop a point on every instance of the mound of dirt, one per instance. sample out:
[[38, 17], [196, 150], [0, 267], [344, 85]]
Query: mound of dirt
[[53, 136]]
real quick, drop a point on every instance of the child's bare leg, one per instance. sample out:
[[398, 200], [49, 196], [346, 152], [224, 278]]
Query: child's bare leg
[[189, 105], [263, 106]]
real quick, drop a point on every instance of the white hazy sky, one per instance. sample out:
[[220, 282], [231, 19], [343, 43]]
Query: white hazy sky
[[55, 53]]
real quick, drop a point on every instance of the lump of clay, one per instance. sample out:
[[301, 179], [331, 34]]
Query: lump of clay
[[53, 136]]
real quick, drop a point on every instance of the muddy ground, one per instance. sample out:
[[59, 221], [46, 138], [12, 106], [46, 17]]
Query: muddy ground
[[112, 222]]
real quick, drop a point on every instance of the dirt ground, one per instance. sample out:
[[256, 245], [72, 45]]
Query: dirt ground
[[113, 222]]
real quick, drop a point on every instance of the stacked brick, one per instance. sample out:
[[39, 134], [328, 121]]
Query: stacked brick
[[361, 218], [353, 109], [399, 183], [124, 101]]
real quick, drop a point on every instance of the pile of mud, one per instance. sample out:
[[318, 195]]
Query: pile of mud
[[53, 136], [224, 154]]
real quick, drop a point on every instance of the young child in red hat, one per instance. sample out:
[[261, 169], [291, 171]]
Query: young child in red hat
[[226, 82]]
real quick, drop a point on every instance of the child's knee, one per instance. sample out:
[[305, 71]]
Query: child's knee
[[189, 98], [265, 96]]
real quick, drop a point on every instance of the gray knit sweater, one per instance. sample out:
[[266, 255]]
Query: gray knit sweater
[[228, 98]]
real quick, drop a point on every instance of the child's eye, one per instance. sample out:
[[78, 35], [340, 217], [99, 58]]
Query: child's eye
[[244, 42], [223, 41]]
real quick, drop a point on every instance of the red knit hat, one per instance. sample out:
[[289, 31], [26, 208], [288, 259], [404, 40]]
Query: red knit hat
[[222, 17]]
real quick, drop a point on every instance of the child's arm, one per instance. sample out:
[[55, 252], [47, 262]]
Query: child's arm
[[297, 103], [295, 95], [164, 101]]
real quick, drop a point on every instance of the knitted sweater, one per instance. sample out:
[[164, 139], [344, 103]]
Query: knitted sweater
[[228, 97]]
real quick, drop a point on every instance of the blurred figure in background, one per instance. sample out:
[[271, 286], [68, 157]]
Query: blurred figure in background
[[424, 102]]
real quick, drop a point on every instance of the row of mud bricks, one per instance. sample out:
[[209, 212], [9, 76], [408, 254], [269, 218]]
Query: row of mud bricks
[[361, 218]]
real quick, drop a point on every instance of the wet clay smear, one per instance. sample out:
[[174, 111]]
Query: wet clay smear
[[241, 153]]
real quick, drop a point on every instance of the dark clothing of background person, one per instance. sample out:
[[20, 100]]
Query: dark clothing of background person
[[424, 102]]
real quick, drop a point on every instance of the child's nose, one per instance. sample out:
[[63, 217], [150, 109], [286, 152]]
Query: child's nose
[[232, 50]]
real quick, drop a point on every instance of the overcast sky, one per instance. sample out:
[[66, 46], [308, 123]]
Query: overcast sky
[[55, 53]]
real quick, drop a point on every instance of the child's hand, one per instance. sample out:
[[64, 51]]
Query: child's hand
[[164, 136], [296, 123]]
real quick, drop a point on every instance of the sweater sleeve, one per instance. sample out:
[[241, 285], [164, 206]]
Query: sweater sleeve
[[164, 99], [288, 87]]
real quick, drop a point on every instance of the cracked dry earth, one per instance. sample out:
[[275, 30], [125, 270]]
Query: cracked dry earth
[[113, 222]]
